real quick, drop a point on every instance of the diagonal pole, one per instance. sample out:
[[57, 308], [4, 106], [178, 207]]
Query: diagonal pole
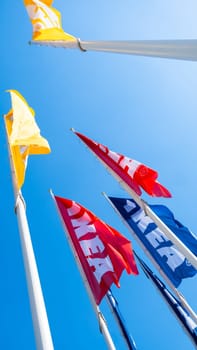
[[188, 325], [172, 49], [119, 319]]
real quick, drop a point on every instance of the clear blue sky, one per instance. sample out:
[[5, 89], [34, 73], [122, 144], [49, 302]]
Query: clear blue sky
[[142, 107]]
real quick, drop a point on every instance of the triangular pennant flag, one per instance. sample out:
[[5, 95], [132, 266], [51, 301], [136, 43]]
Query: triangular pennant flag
[[46, 21], [23, 135], [102, 251], [133, 173]]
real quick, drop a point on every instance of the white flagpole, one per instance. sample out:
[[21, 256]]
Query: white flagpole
[[166, 279], [173, 49], [39, 316], [101, 320]]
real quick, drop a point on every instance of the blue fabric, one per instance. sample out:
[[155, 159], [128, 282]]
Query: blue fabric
[[181, 231], [163, 251]]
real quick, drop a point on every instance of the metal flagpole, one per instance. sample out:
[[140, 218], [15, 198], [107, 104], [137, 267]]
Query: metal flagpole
[[166, 279], [39, 316], [114, 307], [101, 320], [185, 320], [173, 49]]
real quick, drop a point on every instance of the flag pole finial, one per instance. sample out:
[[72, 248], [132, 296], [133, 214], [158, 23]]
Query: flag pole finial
[[73, 130]]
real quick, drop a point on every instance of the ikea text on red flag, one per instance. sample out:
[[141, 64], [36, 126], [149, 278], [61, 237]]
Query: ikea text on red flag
[[102, 251], [135, 174]]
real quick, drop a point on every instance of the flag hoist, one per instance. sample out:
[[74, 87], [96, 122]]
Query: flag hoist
[[47, 30], [24, 139], [102, 254]]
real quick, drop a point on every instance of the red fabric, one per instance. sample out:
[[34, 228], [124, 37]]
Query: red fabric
[[146, 178], [116, 247], [142, 176]]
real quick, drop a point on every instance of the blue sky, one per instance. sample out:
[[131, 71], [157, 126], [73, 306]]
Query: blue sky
[[142, 107]]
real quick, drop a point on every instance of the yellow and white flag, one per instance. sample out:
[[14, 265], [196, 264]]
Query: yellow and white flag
[[23, 135], [46, 21]]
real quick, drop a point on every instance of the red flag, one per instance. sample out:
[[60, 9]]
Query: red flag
[[102, 251], [132, 172]]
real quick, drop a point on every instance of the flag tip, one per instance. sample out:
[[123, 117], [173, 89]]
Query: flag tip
[[72, 129], [104, 194]]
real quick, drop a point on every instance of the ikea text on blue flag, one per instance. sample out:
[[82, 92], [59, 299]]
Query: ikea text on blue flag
[[164, 252]]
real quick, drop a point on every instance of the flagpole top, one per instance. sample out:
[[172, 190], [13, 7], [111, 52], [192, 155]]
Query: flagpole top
[[73, 130], [51, 192]]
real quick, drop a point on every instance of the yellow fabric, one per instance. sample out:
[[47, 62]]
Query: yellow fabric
[[54, 34], [18, 157], [47, 2], [23, 135], [46, 21]]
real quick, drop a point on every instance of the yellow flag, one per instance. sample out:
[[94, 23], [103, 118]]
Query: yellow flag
[[46, 21], [23, 135]]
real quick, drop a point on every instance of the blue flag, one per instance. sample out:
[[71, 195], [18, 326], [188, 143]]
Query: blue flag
[[164, 252], [175, 305]]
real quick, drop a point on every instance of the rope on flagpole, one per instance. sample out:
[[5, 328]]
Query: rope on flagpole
[[80, 46]]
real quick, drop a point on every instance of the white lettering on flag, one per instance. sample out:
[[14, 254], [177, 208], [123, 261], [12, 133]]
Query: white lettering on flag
[[129, 206], [157, 240], [156, 237], [42, 16], [174, 258], [102, 148], [75, 209], [142, 220], [101, 266], [115, 156], [92, 246], [83, 225], [131, 164]]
